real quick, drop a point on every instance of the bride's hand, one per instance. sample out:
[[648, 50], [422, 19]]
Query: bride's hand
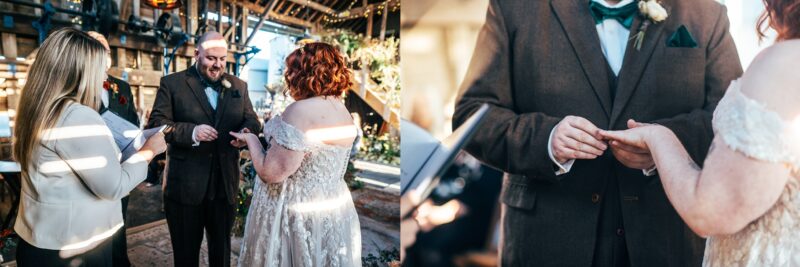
[[240, 138], [634, 138]]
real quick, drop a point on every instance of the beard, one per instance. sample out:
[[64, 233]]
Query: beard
[[206, 72]]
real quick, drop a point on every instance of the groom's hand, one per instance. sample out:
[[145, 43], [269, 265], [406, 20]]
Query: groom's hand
[[631, 156], [576, 138]]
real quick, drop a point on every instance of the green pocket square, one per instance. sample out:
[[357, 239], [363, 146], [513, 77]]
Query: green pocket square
[[682, 38]]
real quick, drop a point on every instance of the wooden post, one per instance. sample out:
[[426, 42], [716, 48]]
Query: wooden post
[[232, 21], [10, 46], [219, 16], [121, 58], [136, 8], [191, 18], [243, 26], [369, 20], [385, 17]]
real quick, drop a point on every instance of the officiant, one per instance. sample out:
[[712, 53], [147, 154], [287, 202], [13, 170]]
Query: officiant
[[116, 97]]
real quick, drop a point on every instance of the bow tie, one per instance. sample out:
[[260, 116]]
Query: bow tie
[[216, 86], [623, 14]]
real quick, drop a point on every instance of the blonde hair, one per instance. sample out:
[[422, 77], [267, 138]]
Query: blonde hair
[[69, 68]]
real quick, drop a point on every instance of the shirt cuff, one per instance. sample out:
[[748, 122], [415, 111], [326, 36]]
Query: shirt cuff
[[649, 172], [562, 168], [194, 139]]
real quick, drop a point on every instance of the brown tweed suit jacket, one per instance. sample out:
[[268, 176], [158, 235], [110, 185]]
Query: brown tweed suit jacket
[[538, 61]]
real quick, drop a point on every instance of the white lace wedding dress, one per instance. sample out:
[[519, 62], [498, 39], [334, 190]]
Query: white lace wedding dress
[[773, 239], [309, 219]]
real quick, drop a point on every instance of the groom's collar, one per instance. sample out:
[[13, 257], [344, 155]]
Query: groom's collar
[[620, 4]]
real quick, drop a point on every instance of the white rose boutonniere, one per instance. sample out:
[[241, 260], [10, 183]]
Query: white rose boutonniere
[[226, 83], [225, 86], [653, 12]]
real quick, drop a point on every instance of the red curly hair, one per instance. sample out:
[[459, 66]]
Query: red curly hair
[[316, 69], [781, 15]]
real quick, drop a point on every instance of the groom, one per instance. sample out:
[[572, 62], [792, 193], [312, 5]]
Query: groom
[[554, 72], [202, 105]]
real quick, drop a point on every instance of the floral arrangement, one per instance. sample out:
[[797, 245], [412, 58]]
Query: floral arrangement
[[383, 148], [347, 41], [386, 257]]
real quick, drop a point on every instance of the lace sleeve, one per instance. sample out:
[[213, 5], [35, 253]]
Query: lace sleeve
[[748, 127], [286, 135]]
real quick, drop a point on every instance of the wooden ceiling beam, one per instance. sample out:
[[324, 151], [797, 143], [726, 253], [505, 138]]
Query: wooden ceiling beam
[[275, 16]]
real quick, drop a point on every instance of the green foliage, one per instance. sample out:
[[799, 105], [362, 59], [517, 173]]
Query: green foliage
[[385, 257], [383, 148]]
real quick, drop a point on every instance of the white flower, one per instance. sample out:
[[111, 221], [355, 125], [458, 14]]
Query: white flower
[[653, 10], [249, 191], [226, 84]]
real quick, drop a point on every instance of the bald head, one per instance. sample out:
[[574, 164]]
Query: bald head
[[102, 39], [99, 37], [210, 55], [211, 39]]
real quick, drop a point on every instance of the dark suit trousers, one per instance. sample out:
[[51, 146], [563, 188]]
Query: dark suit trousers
[[186, 224], [120, 240]]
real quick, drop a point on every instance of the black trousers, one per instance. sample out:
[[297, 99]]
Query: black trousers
[[119, 247], [28, 255], [186, 224]]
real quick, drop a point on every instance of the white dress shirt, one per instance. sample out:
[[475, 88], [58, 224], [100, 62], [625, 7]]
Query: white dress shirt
[[613, 41]]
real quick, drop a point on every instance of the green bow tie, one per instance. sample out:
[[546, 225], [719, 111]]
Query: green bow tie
[[624, 14]]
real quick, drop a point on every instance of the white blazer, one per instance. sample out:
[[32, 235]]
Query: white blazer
[[71, 197]]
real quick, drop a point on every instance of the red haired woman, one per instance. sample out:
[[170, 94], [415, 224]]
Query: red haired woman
[[746, 196], [302, 213]]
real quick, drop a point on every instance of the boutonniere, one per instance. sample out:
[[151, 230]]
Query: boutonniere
[[113, 87], [225, 85], [653, 12], [123, 100]]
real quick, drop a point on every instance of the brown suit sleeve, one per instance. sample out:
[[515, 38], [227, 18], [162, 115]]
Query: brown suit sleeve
[[722, 66], [508, 140], [180, 132], [250, 118]]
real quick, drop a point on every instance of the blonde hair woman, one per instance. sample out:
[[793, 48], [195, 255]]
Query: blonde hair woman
[[72, 180]]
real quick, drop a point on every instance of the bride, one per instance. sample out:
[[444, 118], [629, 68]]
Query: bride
[[746, 198], [302, 213]]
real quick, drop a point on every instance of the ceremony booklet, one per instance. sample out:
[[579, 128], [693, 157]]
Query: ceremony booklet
[[128, 137], [425, 159]]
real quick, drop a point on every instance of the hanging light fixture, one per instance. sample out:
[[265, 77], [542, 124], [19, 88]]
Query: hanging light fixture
[[164, 4]]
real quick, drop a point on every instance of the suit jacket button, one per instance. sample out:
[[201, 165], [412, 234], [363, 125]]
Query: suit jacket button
[[595, 198], [620, 232]]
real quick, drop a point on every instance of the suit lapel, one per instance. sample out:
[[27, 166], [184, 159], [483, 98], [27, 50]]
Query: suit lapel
[[634, 63], [582, 34], [198, 89]]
